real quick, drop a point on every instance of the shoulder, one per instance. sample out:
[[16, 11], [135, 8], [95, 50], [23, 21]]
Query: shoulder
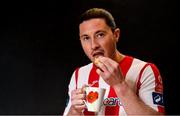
[[141, 64], [138, 61], [146, 66], [134, 62]]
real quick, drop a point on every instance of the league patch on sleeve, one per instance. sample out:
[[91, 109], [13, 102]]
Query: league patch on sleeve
[[157, 98]]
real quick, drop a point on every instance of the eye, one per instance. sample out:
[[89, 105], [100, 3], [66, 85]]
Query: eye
[[100, 35], [85, 38]]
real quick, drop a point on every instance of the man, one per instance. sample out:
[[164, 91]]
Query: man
[[132, 85]]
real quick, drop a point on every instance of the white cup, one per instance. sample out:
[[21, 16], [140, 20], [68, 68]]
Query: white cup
[[94, 98]]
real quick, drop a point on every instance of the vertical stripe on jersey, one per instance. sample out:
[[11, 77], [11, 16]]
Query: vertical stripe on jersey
[[76, 77], [93, 77], [133, 73], [125, 64]]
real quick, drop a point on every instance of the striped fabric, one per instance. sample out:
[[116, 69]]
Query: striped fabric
[[144, 78]]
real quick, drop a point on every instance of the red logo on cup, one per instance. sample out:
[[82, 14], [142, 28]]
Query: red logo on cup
[[92, 96]]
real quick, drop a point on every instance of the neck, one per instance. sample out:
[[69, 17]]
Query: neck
[[118, 56]]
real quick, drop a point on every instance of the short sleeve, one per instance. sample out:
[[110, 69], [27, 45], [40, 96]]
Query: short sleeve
[[151, 88]]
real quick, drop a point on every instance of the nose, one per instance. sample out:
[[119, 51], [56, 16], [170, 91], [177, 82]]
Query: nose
[[94, 44]]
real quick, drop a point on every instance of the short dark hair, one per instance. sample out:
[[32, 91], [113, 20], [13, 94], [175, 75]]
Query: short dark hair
[[99, 13]]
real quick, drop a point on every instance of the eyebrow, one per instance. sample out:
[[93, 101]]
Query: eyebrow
[[100, 31], [95, 33], [83, 35]]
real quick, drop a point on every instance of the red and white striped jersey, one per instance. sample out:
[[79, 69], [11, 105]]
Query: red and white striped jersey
[[144, 78]]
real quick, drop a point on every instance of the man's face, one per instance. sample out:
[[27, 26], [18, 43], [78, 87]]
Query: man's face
[[97, 38]]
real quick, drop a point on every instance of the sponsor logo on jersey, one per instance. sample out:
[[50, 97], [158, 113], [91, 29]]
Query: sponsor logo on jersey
[[158, 98], [112, 101]]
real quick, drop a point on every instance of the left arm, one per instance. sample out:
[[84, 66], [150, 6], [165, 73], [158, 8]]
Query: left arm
[[112, 75]]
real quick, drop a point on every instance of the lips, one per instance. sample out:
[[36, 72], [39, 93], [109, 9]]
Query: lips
[[96, 54]]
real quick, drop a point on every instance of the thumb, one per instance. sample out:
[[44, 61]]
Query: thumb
[[99, 72], [84, 87]]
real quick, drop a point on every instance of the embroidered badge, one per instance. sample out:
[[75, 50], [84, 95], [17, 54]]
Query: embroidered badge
[[157, 98]]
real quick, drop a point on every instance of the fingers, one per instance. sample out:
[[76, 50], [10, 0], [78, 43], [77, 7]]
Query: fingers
[[78, 104], [107, 65], [83, 88], [100, 72], [77, 94], [77, 97], [109, 70]]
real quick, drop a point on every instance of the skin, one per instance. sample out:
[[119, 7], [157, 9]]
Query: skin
[[98, 40]]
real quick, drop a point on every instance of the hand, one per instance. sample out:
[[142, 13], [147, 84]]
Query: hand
[[110, 71], [77, 100]]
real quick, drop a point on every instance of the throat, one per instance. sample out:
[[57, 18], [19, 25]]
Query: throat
[[118, 57]]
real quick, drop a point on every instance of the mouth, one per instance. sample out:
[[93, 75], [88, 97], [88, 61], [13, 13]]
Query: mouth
[[97, 54]]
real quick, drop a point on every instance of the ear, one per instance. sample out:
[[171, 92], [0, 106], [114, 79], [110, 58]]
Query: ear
[[116, 34]]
